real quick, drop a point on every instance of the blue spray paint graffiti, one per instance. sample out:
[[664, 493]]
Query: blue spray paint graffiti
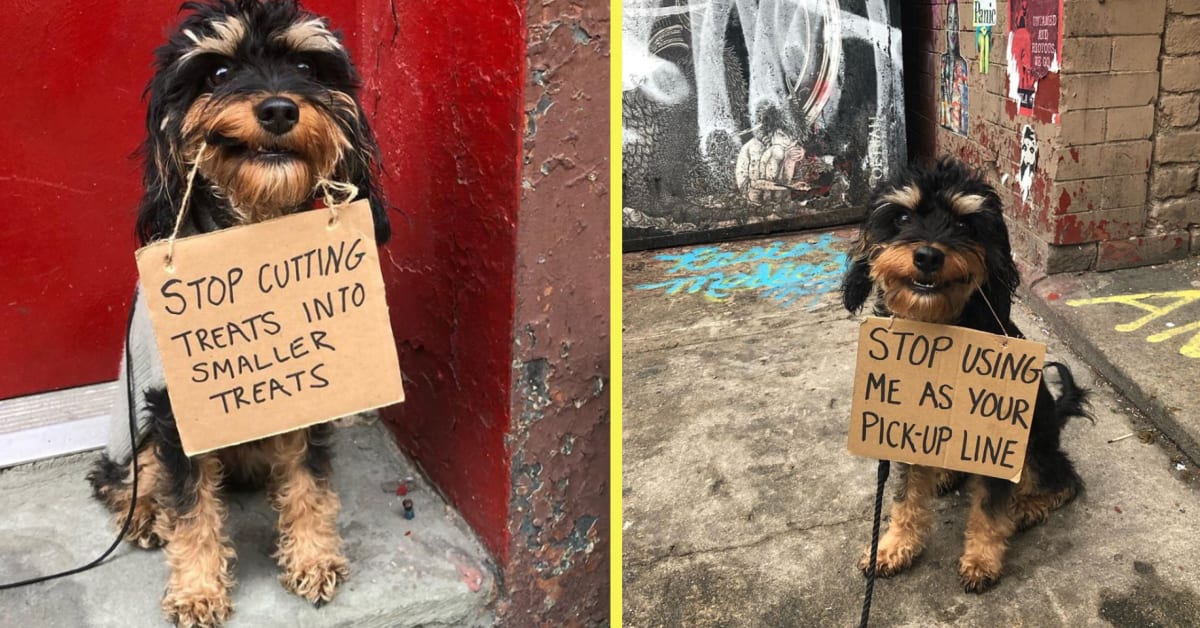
[[776, 271]]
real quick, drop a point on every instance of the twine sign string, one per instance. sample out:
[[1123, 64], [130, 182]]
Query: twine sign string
[[328, 188], [994, 314], [339, 301], [183, 205]]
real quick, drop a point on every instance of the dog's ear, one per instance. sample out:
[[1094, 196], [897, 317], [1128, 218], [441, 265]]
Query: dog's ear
[[857, 284], [362, 168], [161, 181], [1003, 277]]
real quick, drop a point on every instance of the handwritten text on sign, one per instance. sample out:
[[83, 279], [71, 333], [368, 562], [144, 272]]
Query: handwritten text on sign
[[944, 396], [271, 327]]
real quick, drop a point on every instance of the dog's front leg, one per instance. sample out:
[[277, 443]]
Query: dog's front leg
[[910, 520], [310, 549], [198, 551], [988, 527]]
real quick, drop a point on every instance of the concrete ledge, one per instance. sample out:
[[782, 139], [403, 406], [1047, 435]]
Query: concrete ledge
[[1156, 378], [430, 571]]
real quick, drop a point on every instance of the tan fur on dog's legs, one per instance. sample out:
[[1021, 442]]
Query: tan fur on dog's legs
[[199, 555], [986, 541], [1032, 506], [309, 545], [910, 520], [147, 511]]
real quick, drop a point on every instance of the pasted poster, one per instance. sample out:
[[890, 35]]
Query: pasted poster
[[1029, 151], [1034, 48], [746, 116], [985, 19], [952, 104]]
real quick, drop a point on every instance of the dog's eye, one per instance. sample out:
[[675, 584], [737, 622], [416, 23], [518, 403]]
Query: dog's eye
[[219, 75], [903, 218], [304, 68]]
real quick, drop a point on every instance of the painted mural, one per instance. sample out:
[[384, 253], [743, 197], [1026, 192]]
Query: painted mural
[[952, 112], [751, 115]]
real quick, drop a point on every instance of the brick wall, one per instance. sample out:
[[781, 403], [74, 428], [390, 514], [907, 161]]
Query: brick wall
[[1174, 194], [1116, 181]]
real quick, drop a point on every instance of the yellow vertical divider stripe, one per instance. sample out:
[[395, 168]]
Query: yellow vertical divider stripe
[[615, 486]]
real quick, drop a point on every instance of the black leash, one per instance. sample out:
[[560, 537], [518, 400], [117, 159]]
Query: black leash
[[884, 468], [132, 499]]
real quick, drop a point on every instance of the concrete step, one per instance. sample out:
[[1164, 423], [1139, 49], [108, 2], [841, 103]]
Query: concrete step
[[428, 571]]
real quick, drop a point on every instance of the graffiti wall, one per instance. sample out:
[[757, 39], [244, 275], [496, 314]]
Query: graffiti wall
[[746, 116]]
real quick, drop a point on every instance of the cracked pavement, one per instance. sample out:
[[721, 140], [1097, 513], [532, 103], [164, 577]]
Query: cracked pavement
[[743, 508]]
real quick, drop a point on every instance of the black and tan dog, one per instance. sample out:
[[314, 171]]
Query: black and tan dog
[[264, 96], [935, 248]]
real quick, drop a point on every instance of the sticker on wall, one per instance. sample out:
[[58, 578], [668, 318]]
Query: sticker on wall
[[1029, 151], [1034, 47], [985, 19], [952, 113]]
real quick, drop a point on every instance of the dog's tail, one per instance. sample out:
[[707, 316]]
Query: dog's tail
[[1073, 400]]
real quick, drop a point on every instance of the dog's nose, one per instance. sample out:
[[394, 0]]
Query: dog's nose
[[277, 114], [928, 259]]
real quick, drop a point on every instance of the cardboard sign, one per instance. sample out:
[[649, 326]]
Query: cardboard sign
[[944, 396], [271, 327]]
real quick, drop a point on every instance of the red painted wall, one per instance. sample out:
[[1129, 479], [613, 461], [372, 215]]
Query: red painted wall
[[71, 118], [444, 88], [557, 572]]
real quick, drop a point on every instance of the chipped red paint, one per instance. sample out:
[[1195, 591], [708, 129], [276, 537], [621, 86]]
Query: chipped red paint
[[1088, 227], [1045, 102], [1068, 230], [1074, 154], [559, 528], [1064, 202]]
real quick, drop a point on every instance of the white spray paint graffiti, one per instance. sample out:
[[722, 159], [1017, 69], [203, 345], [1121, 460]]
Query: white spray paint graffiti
[[782, 36], [743, 111]]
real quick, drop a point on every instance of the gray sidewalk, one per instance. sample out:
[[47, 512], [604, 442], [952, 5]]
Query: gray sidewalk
[[428, 571], [742, 507]]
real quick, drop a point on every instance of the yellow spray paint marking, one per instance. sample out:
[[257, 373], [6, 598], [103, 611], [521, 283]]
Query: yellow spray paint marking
[[1180, 298]]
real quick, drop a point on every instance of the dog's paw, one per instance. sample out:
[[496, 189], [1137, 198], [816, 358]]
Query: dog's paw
[[143, 534], [197, 610], [977, 577], [316, 581], [890, 560]]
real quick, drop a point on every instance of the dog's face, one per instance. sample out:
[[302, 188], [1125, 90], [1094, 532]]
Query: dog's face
[[269, 94], [931, 242]]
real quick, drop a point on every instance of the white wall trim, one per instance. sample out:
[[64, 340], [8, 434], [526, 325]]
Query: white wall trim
[[57, 423]]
